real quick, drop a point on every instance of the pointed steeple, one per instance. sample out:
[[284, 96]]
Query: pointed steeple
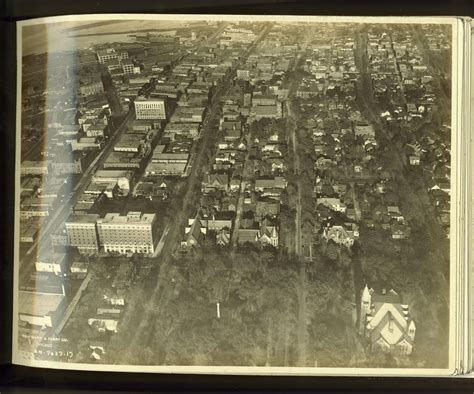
[[366, 293], [366, 300], [274, 232]]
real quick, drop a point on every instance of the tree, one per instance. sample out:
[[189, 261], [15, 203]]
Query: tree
[[331, 251]]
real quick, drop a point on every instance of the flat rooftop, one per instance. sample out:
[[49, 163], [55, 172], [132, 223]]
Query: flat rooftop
[[157, 155], [88, 218], [152, 100], [112, 174], [49, 256], [32, 304], [34, 164], [44, 283], [130, 217]]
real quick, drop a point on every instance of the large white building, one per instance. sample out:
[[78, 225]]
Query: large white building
[[150, 108], [110, 54], [132, 233], [129, 67]]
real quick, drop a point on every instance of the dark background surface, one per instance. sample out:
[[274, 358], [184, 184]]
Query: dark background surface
[[22, 379], [24, 9]]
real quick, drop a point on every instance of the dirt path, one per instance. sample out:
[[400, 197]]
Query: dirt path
[[302, 329]]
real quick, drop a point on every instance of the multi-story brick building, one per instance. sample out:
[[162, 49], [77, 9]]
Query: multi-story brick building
[[132, 233], [82, 233]]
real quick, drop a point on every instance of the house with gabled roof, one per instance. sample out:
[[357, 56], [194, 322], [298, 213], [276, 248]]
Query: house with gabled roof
[[332, 203], [267, 207], [277, 182], [223, 237], [235, 184], [232, 130], [215, 182], [341, 235], [194, 232], [268, 233], [247, 235], [386, 322]]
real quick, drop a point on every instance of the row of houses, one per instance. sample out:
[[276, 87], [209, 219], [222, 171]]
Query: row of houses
[[431, 150]]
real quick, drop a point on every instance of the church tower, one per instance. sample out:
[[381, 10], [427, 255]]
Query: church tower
[[365, 307]]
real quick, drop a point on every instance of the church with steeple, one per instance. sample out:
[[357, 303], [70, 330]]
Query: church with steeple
[[386, 322]]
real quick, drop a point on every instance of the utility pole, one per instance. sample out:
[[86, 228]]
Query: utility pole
[[218, 310]]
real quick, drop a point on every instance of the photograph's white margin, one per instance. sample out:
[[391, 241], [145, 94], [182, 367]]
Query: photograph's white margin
[[454, 263], [455, 323]]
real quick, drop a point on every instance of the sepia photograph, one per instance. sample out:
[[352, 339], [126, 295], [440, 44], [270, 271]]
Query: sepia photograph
[[243, 194]]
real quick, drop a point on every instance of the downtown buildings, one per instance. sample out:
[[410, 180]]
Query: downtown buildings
[[130, 233], [150, 108], [82, 233], [110, 54]]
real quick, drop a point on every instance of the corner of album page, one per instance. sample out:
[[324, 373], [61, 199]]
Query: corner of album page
[[469, 87]]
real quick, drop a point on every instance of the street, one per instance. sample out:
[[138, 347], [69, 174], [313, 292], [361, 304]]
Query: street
[[302, 333]]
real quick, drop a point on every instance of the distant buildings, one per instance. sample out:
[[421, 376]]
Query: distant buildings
[[167, 163], [29, 229], [129, 67], [191, 130], [110, 54], [132, 233], [364, 130], [258, 112], [86, 144], [121, 179], [386, 322], [35, 167], [90, 87], [67, 164], [243, 73], [34, 208], [189, 114], [237, 35], [150, 108]]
